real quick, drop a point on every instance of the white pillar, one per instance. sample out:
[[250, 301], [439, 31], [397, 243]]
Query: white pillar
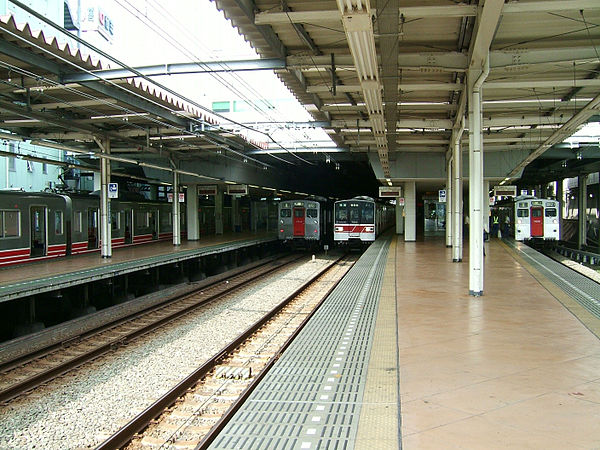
[[176, 220], [475, 184], [457, 200], [560, 196], [449, 193], [105, 229], [192, 222], [582, 210], [410, 211]]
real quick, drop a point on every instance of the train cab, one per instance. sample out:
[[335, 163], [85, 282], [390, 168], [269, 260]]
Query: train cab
[[536, 219], [300, 220]]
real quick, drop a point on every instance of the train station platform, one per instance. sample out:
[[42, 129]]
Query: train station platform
[[51, 274], [400, 356]]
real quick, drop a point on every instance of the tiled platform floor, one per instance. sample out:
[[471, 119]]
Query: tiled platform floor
[[511, 369]]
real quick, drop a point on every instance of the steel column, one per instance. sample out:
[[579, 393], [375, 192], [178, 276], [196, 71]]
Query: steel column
[[582, 211], [176, 222], [105, 229], [457, 200], [449, 194], [475, 184], [410, 211]]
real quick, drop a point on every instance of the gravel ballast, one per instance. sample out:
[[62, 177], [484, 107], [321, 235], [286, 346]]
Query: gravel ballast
[[90, 404]]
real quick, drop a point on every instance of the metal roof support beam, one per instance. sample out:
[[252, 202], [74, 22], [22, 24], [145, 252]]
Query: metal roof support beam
[[179, 69], [424, 12], [456, 61], [562, 133]]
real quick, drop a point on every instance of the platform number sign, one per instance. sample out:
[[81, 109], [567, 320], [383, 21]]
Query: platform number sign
[[113, 190], [442, 195]]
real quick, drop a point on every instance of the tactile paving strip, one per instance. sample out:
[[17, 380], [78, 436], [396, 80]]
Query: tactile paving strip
[[311, 398], [579, 287]]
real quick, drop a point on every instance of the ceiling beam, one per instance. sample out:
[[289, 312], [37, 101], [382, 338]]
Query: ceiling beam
[[456, 61], [179, 69], [562, 133], [424, 12], [447, 124]]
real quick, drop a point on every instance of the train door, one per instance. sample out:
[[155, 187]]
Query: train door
[[38, 231], [92, 222], [128, 226], [153, 224], [299, 221], [537, 221]]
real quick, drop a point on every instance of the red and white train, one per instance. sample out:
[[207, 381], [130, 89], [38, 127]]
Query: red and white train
[[360, 220], [536, 218], [40, 225]]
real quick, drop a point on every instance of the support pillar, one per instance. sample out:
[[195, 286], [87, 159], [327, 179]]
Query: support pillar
[[399, 218], [476, 275], [560, 196], [449, 194], [457, 199], [582, 211], [176, 206], [105, 229], [219, 211], [410, 211], [192, 222]]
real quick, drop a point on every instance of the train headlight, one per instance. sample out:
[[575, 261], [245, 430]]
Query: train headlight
[[369, 229], [519, 221], [554, 221], [339, 229]]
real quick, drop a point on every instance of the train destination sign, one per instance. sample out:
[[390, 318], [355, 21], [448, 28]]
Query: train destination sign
[[390, 191]]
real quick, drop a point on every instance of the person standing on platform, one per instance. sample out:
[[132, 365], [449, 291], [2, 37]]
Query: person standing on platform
[[495, 226]]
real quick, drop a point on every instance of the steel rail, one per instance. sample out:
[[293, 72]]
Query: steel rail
[[141, 421], [42, 377]]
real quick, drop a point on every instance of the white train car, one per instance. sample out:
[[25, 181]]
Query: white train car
[[360, 219], [536, 218]]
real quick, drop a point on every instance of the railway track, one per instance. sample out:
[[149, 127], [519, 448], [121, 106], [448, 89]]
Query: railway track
[[25, 374], [192, 413]]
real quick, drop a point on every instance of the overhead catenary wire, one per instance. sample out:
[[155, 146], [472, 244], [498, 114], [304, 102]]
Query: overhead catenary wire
[[125, 66], [157, 28]]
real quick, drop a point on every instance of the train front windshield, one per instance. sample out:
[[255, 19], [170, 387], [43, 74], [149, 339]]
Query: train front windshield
[[354, 212]]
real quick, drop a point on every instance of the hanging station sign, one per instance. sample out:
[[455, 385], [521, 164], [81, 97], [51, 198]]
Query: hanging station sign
[[390, 191], [237, 189], [209, 189]]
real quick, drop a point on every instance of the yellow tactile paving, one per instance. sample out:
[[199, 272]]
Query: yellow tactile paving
[[379, 422]]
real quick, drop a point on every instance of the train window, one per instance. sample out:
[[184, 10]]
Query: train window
[[341, 213], [286, 213], [550, 212], [58, 222], [114, 220], [367, 213], [166, 220], [10, 223], [142, 219], [77, 223], [522, 213], [299, 212], [312, 213], [536, 212], [354, 213]]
